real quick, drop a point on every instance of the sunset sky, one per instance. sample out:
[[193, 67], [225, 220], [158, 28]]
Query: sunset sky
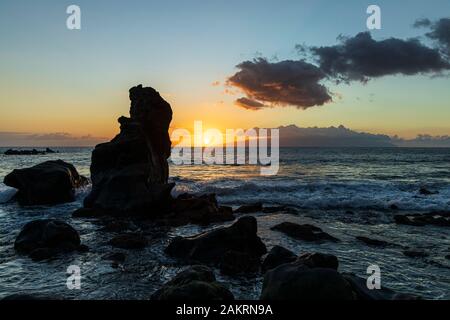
[[54, 80]]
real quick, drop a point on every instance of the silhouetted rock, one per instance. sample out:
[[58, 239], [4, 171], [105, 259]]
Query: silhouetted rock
[[305, 232], [33, 152], [250, 208], [202, 210], [415, 254], [294, 281], [318, 260], [372, 242], [277, 256], [210, 247], [439, 218], [50, 182], [43, 239], [129, 241], [394, 207], [115, 256], [129, 174], [424, 191], [359, 287], [197, 283], [235, 262]]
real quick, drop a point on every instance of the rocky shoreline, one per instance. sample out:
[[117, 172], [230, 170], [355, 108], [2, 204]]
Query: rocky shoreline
[[131, 198]]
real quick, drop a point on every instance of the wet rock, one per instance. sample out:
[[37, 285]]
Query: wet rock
[[211, 246], [235, 263], [197, 283], [43, 239], [294, 281], [115, 256], [359, 287], [202, 210], [438, 218], [415, 254], [447, 257], [372, 242], [250, 208], [305, 232], [277, 256], [33, 152], [117, 226], [129, 241], [424, 191], [130, 173], [394, 207], [50, 182], [318, 260]]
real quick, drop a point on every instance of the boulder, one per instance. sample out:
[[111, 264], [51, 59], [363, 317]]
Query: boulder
[[210, 247], [372, 242], [115, 256], [129, 241], [415, 254], [129, 174], [318, 260], [293, 281], [50, 182], [202, 210], [277, 256], [425, 192], [437, 218], [235, 263], [197, 283], [43, 239], [305, 232], [250, 208]]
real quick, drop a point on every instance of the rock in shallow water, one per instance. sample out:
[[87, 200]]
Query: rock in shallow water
[[277, 256], [210, 247], [195, 283], [305, 232], [129, 174], [439, 218], [50, 182], [129, 241], [372, 242], [294, 281], [43, 239]]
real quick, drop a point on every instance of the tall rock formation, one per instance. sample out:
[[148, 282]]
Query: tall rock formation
[[129, 174]]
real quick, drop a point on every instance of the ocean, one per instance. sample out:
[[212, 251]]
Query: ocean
[[348, 192]]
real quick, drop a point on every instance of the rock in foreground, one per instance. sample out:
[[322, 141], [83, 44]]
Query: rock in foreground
[[440, 218], [210, 247], [277, 256], [43, 239], [50, 182], [305, 232], [129, 174], [195, 283], [295, 281]]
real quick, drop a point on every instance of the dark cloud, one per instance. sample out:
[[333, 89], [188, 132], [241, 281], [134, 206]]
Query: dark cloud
[[361, 58], [284, 83], [249, 104], [440, 32]]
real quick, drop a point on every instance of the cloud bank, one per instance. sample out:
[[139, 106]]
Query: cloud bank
[[361, 58], [55, 139]]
